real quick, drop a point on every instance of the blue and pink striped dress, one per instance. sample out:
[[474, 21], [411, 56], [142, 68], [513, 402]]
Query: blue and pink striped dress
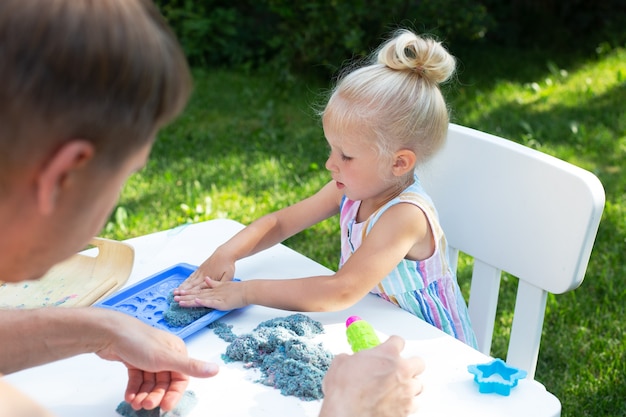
[[428, 288]]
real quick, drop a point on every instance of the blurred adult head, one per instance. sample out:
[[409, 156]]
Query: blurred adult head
[[86, 84]]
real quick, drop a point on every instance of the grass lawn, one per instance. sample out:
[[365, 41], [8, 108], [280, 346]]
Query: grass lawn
[[249, 144]]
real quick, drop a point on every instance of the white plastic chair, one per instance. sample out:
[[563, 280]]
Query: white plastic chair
[[517, 210]]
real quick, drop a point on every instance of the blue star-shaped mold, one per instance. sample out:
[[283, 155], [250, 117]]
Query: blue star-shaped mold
[[496, 376]]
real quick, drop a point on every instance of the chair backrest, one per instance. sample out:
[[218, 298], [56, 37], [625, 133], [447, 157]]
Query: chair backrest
[[517, 210]]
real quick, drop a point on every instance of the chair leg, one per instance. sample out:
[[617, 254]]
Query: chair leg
[[530, 307], [483, 303]]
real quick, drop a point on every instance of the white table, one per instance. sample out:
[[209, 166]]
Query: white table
[[88, 386]]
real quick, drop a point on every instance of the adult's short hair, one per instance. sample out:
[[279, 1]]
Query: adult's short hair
[[107, 71]]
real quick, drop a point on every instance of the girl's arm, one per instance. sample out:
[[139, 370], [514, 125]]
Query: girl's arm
[[264, 233], [275, 227], [402, 230]]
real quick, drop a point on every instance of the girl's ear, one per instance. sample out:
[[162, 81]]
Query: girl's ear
[[55, 175], [404, 161]]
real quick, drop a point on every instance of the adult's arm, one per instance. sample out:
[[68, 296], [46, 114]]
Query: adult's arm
[[38, 336], [158, 364]]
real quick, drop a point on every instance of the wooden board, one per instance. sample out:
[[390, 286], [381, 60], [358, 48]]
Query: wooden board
[[79, 281]]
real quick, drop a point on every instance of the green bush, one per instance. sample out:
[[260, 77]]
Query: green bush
[[571, 24], [210, 31], [310, 36], [285, 36], [326, 33]]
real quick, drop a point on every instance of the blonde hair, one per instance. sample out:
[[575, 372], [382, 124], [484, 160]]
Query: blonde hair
[[397, 96]]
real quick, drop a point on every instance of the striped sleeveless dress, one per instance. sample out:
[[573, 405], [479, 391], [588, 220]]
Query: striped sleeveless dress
[[428, 289]]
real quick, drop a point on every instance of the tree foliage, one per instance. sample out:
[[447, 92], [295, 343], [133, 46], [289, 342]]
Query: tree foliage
[[319, 35]]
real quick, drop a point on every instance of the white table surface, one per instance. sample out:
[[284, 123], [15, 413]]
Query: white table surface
[[88, 386]]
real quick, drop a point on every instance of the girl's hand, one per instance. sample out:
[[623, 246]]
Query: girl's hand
[[218, 267], [220, 295]]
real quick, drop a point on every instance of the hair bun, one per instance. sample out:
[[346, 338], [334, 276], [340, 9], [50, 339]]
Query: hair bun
[[424, 56]]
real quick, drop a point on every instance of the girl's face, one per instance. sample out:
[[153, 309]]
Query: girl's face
[[355, 164]]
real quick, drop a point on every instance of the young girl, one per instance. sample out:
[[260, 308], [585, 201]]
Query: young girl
[[380, 121]]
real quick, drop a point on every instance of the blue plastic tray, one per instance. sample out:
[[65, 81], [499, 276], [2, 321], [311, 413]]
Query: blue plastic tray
[[147, 300]]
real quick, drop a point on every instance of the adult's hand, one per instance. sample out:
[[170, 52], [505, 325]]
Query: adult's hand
[[375, 382], [158, 364]]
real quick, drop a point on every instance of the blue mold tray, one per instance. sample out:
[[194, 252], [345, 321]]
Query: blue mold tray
[[147, 301]]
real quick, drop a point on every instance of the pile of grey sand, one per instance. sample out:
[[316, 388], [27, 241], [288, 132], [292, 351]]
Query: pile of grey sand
[[183, 408], [177, 316], [284, 351]]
